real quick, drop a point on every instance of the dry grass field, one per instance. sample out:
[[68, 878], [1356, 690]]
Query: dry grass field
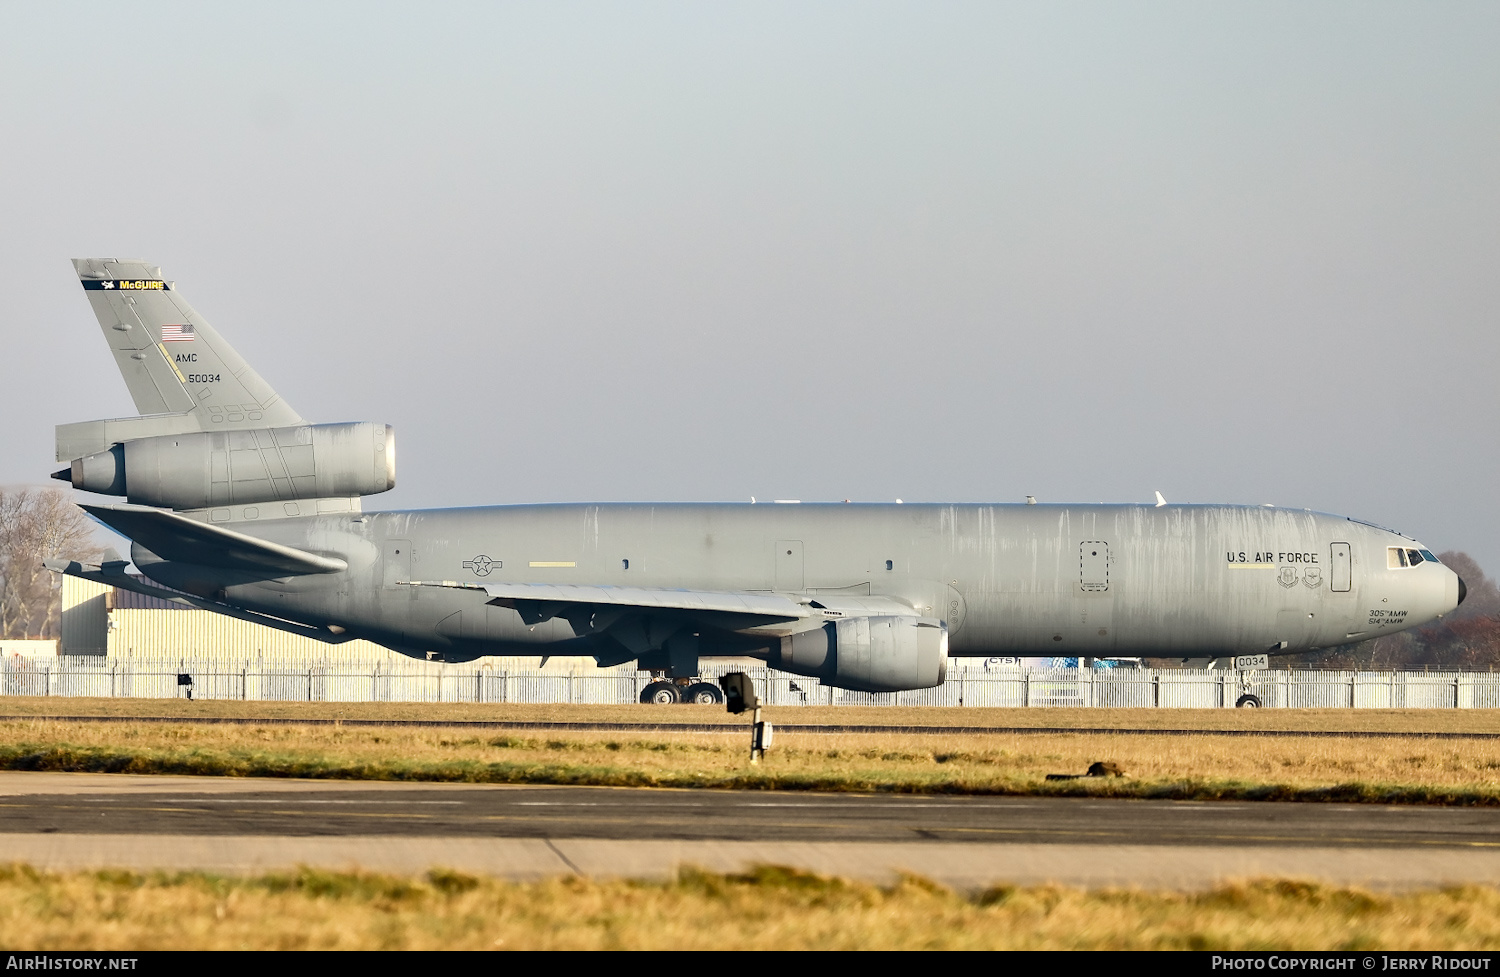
[[1292, 720], [1404, 769], [769, 908]]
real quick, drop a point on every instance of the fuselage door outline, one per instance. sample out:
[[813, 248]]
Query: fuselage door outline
[[1341, 579]]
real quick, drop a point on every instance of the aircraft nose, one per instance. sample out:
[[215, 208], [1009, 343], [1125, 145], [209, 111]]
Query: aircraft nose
[[1462, 590]]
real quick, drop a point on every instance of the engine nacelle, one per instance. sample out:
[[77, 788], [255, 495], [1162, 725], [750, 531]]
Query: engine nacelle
[[870, 654], [195, 471]]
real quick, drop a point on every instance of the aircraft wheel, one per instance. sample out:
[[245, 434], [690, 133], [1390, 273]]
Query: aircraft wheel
[[660, 694], [1247, 702], [703, 694]]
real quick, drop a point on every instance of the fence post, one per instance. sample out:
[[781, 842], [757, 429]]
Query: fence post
[[1026, 689]]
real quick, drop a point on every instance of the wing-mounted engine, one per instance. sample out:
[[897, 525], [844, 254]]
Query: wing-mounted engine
[[884, 653], [870, 644], [215, 468]]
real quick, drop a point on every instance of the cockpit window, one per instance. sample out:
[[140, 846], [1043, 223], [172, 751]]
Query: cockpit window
[[1427, 555], [1399, 556]]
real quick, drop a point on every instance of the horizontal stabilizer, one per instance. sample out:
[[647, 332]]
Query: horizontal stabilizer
[[180, 539], [112, 572], [765, 608]]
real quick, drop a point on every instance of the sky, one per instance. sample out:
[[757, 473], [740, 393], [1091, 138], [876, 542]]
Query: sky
[[948, 252]]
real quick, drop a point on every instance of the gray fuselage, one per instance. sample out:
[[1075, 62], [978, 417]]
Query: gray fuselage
[[1069, 580]]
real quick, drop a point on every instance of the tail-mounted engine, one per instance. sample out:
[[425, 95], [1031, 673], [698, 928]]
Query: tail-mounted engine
[[202, 469]]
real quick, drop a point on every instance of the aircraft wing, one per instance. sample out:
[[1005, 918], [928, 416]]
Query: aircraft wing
[[730, 609], [174, 537]]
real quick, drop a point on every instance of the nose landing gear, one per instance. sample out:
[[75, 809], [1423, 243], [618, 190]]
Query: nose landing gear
[[1247, 699]]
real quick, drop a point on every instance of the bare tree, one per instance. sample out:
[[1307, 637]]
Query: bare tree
[[37, 524], [1483, 599]]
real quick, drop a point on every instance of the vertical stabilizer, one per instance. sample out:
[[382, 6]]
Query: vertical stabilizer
[[172, 360]]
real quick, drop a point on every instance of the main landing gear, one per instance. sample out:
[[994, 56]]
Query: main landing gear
[[666, 692]]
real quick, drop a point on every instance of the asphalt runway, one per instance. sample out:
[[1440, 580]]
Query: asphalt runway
[[324, 809], [72, 821]]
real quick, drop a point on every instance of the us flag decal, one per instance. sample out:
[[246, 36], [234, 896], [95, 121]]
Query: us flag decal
[[177, 334]]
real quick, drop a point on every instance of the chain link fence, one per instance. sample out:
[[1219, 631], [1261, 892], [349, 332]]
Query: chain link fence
[[334, 681]]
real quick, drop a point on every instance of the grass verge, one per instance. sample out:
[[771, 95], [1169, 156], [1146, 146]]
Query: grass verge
[[763, 909], [1199, 767], [1415, 721]]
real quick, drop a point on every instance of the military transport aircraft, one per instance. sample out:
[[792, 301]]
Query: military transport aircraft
[[236, 504]]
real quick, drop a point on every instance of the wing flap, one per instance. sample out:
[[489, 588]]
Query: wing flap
[[178, 538], [743, 608]]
